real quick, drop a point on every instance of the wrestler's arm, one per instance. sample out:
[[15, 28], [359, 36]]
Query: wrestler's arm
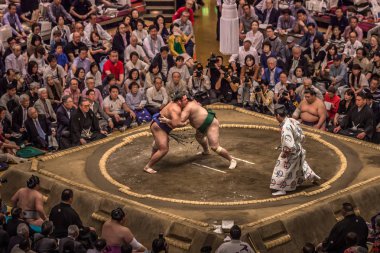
[[14, 199], [40, 207], [184, 119], [129, 238], [321, 114], [175, 119]]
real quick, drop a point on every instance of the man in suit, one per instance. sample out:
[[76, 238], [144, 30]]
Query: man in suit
[[7, 80], [164, 60], [39, 129], [270, 14], [271, 74], [20, 115], [84, 126], [312, 32], [64, 113], [104, 120], [43, 105]]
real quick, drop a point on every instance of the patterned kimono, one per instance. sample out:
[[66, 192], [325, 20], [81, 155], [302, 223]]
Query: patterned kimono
[[292, 170]]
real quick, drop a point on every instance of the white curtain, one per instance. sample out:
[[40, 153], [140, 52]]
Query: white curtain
[[229, 29]]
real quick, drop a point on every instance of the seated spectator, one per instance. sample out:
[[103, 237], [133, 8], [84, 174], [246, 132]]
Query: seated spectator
[[311, 34], [95, 74], [82, 9], [33, 74], [105, 121], [22, 235], [303, 19], [134, 47], [226, 87], [73, 233], [336, 242], [115, 67], [134, 76], [56, 10], [62, 28], [290, 99], [235, 245], [39, 57], [350, 48], [199, 85], [374, 89], [262, 99], [5, 123], [44, 106], [127, 23], [35, 41], [331, 53], [57, 39], [337, 40], [30, 200], [72, 49], [84, 125], [311, 111], [80, 75], [153, 43], [97, 50], [275, 41], [153, 72], [16, 220], [136, 63], [296, 60], [188, 7], [176, 42], [165, 61], [315, 55], [61, 57], [250, 69], [176, 85], [135, 100], [285, 22], [359, 121], [256, 36], [160, 24], [332, 101], [156, 96], [246, 21], [237, 61], [43, 242], [281, 86], [9, 79], [109, 81], [8, 50], [272, 73], [356, 81], [33, 92], [20, 115], [372, 47], [93, 26], [186, 28], [81, 61], [90, 85], [375, 107], [11, 18], [339, 21], [135, 16], [73, 91], [354, 26], [338, 72], [16, 60], [361, 59], [140, 33], [115, 106], [181, 68], [374, 67], [121, 40], [345, 105], [64, 113], [298, 77], [116, 234], [270, 14], [266, 54], [29, 12], [54, 92], [10, 101]]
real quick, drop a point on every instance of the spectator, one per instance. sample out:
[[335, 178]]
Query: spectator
[[270, 14], [11, 18], [176, 43], [311, 34], [81, 61], [95, 74], [255, 36], [338, 72], [375, 107], [93, 26], [275, 41], [181, 68], [188, 7], [165, 61], [39, 57], [64, 113], [250, 69], [356, 81], [160, 24], [82, 9], [351, 223], [373, 46], [16, 220], [54, 92], [302, 20], [337, 40], [116, 234], [359, 121], [8, 50], [374, 67], [20, 115], [311, 111], [226, 87], [44, 106], [56, 10], [72, 49], [156, 96], [290, 100], [354, 21], [35, 41], [97, 51], [43, 242], [134, 47], [22, 235], [272, 73], [246, 21], [73, 91], [57, 39], [296, 60], [153, 72], [33, 75], [361, 59], [39, 130], [315, 55], [350, 48], [90, 85], [7, 80], [136, 63], [140, 33], [153, 43], [199, 85], [10, 101], [134, 76], [62, 28], [105, 121], [30, 200], [298, 77], [332, 102], [339, 20], [235, 245], [22, 247], [29, 12], [237, 61], [80, 75], [16, 61], [281, 86], [176, 85], [345, 105], [73, 233], [374, 89], [135, 100], [285, 22], [115, 67], [135, 16], [187, 29], [121, 40], [115, 107]]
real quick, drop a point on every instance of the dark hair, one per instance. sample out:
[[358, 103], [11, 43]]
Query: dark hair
[[67, 194], [58, 44], [154, 65], [249, 56], [310, 24], [108, 78], [244, 5], [164, 48], [35, 25], [156, 21], [126, 248], [322, 42], [92, 34], [158, 245], [179, 58], [131, 72], [82, 99], [255, 21], [89, 91], [113, 87], [139, 20], [16, 212], [269, 27], [100, 244], [76, 74], [354, 17], [35, 38], [310, 91], [118, 214], [301, 11], [24, 245], [134, 53], [235, 232], [12, 5], [39, 50], [362, 95], [32, 182], [157, 77], [30, 67], [308, 248], [47, 228], [266, 43], [84, 48], [64, 100], [350, 93], [69, 247], [51, 57], [133, 84], [351, 239], [354, 33], [347, 207], [57, 18], [286, 11], [10, 39], [151, 27]]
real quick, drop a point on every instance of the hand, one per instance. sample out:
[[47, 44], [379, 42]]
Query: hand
[[361, 136], [337, 129], [110, 124], [82, 141], [132, 114], [165, 120], [103, 132], [17, 147], [335, 122], [301, 23], [117, 117], [22, 129]]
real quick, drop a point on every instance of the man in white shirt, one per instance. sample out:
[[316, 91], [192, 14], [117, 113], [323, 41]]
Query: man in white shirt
[[92, 26], [244, 50], [235, 244], [134, 47], [351, 46], [156, 97], [153, 43], [16, 61]]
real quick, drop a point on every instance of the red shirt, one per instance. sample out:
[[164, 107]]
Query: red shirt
[[178, 14], [335, 101], [116, 69]]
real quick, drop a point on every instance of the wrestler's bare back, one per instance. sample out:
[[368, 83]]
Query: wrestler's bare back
[[172, 111], [27, 199], [116, 234], [195, 113]]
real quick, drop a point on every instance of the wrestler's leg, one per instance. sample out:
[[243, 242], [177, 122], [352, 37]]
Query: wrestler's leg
[[202, 140], [161, 140], [213, 140], [154, 148]]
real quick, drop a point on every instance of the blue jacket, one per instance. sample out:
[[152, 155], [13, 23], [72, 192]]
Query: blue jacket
[[266, 76], [306, 39]]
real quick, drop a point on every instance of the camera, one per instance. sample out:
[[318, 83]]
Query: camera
[[3, 180], [198, 73], [226, 75], [258, 89], [246, 80], [212, 61], [285, 93]]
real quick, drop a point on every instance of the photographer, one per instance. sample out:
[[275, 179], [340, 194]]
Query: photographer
[[227, 86], [289, 99], [214, 72], [245, 90], [262, 99], [199, 85]]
